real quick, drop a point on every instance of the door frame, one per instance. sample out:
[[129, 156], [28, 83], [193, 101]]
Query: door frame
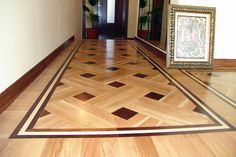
[[124, 19]]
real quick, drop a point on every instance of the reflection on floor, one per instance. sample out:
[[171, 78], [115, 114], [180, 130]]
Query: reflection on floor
[[111, 88], [221, 82], [135, 96]]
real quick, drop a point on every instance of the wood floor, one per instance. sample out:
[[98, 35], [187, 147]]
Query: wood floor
[[98, 89], [221, 82]]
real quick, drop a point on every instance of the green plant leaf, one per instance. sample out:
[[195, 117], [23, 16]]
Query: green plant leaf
[[143, 21], [142, 3], [93, 2], [93, 18], [86, 8]]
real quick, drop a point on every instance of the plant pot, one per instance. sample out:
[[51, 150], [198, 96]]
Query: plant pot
[[92, 33], [143, 34]]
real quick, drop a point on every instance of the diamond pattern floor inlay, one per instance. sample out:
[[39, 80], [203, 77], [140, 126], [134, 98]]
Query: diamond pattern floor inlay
[[116, 84], [140, 75], [155, 96], [115, 97], [84, 96], [87, 75], [124, 113]]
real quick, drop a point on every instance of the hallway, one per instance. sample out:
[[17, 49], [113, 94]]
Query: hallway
[[112, 88]]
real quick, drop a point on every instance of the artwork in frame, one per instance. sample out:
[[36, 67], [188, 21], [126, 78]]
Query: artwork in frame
[[190, 41]]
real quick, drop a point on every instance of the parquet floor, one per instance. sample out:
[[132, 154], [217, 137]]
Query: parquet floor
[[117, 88], [221, 82]]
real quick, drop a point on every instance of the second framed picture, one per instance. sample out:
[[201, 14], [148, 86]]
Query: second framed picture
[[190, 36]]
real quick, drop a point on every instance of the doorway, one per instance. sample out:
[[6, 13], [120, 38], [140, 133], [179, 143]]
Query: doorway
[[113, 19]]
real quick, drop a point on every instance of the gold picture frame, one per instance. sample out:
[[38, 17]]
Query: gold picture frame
[[191, 32]]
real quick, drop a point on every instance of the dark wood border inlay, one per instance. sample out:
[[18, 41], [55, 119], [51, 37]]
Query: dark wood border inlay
[[151, 61], [10, 94], [208, 86], [223, 125], [151, 48]]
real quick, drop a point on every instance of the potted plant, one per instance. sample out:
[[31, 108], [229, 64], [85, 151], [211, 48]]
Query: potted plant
[[93, 18], [143, 20]]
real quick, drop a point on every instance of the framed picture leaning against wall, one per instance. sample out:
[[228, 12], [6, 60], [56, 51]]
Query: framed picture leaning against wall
[[190, 42]]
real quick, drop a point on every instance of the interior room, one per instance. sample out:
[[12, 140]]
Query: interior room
[[131, 78]]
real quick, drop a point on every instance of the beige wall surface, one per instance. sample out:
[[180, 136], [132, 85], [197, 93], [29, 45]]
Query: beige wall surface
[[78, 19], [30, 30], [133, 18]]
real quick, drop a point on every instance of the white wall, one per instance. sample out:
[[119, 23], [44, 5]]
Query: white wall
[[132, 18], [78, 15], [225, 25], [29, 31]]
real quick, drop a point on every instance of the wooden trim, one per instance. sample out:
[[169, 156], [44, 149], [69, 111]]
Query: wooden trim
[[225, 63], [218, 63], [126, 7], [129, 38], [151, 48], [10, 94]]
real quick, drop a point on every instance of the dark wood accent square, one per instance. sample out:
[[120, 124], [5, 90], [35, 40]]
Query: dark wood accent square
[[116, 84], [90, 62], [113, 68], [154, 68], [125, 55], [88, 75], [198, 109], [124, 113], [140, 75], [122, 49], [155, 96], [91, 54], [92, 49], [171, 83], [44, 113], [132, 63], [60, 83], [84, 96], [207, 83]]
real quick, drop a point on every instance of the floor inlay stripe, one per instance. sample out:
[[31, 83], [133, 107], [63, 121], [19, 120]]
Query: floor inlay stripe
[[207, 85], [95, 108]]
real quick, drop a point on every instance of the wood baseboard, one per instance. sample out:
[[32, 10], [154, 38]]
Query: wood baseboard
[[10, 94], [227, 63], [218, 63], [151, 48]]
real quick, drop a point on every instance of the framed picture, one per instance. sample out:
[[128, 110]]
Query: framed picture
[[190, 41]]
